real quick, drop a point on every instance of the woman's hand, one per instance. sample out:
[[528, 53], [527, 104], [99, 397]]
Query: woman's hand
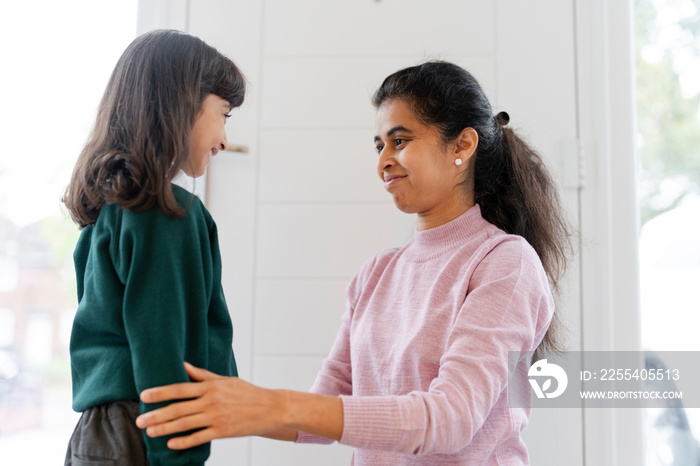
[[220, 406]]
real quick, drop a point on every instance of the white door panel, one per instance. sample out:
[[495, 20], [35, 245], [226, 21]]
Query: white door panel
[[535, 72], [336, 92], [302, 165], [274, 316], [325, 240], [386, 28]]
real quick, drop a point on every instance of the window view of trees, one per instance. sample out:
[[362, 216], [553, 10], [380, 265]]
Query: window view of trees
[[667, 55], [668, 93]]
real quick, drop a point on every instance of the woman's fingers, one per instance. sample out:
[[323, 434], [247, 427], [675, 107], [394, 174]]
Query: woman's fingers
[[192, 440], [177, 391], [200, 375], [180, 391], [181, 424], [168, 413]]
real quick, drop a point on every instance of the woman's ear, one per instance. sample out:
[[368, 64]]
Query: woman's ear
[[466, 144]]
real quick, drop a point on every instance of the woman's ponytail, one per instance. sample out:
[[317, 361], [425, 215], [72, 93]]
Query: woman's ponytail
[[517, 194]]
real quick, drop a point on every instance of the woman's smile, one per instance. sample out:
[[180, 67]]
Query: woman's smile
[[391, 180]]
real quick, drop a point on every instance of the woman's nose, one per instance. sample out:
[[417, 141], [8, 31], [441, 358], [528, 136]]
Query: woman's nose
[[385, 161]]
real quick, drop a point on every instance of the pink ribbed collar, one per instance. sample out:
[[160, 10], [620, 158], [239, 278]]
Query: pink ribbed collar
[[427, 244]]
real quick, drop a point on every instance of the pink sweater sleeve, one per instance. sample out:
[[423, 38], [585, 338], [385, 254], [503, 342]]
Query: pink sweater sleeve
[[507, 308]]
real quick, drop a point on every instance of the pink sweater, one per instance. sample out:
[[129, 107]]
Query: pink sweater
[[421, 358]]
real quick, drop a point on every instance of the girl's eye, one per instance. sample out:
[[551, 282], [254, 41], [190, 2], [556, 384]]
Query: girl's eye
[[399, 141], [379, 149], [227, 116]]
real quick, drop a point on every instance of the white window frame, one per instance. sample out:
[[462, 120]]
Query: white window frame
[[609, 225]]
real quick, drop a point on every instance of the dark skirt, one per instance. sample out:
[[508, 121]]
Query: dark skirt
[[106, 435]]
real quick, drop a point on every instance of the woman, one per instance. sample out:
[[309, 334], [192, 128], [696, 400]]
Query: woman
[[418, 372]]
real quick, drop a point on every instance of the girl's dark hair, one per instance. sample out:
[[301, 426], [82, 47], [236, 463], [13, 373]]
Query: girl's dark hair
[[141, 136], [511, 183]]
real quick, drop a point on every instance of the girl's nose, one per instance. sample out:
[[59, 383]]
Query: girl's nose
[[223, 144]]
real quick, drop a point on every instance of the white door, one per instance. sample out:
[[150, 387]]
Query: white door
[[302, 210]]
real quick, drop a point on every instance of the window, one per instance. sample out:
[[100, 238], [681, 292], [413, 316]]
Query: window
[[60, 55], [668, 94]]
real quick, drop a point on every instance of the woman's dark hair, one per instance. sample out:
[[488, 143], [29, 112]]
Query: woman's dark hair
[[141, 136], [511, 183]]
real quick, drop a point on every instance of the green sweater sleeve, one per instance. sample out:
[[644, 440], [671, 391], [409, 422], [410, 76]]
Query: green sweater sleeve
[[168, 271]]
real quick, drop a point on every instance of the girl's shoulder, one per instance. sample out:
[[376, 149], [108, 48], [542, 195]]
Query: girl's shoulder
[[183, 196], [116, 218]]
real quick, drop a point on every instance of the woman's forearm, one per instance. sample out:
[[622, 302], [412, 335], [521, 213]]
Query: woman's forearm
[[219, 407], [287, 435], [316, 414]]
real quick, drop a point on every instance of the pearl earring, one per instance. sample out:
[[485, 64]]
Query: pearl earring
[[458, 162]]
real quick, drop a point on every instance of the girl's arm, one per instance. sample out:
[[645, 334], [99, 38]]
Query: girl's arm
[[230, 407], [172, 305]]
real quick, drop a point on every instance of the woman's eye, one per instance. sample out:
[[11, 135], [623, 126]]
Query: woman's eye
[[227, 116], [379, 149], [399, 141]]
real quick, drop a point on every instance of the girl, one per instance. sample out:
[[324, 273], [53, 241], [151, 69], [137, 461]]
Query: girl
[[147, 262], [418, 373]]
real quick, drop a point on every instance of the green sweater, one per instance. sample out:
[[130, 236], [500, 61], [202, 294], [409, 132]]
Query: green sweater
[[149, 298]]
